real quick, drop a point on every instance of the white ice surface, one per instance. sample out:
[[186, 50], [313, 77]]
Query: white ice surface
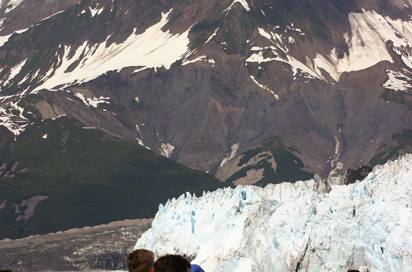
[[154, 48], [366, 225]]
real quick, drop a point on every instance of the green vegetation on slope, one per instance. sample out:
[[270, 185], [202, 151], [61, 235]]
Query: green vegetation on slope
[[398, 97], [89, 177], [404, 140]]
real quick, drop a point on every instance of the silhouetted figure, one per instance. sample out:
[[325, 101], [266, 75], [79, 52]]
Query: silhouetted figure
[[140, 260], [172, 263]]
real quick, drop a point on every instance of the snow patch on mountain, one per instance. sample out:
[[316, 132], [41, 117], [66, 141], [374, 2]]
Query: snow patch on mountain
[[166, 149], [211, 36], [279, 52], [11, 116], [152, 49], [12, 4], [264, 87], [4, 39], [96, 101], [96, 11], [14, 71], [365, 226], [397, 81], [232, 154], [242, 2], [201, 58], [367, 43]]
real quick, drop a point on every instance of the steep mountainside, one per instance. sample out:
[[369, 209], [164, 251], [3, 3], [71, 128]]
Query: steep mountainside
[[59, 175], [253, 91]]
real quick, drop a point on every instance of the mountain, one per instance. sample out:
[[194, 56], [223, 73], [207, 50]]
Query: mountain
[[314, 225], [205, 82], [250, 91]]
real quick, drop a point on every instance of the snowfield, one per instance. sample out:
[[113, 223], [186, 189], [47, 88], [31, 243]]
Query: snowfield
[[305, 226]]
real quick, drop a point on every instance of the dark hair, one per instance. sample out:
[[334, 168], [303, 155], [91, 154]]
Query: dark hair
[[140, 260], [171, 263]]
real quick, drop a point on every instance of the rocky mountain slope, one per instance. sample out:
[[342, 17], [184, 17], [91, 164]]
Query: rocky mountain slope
[[251, 91]]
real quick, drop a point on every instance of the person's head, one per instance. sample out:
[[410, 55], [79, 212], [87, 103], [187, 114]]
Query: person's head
[[172, 263], [140, 260]]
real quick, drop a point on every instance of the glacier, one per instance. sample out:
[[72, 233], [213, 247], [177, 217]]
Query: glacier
[[314, 225]]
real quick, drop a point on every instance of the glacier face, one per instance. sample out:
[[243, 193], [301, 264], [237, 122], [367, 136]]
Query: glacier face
[[294, 227]]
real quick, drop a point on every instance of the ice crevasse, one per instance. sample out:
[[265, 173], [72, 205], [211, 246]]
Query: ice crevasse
[[365, 226]]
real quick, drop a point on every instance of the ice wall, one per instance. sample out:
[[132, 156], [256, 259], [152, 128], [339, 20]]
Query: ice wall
[[294, 227]]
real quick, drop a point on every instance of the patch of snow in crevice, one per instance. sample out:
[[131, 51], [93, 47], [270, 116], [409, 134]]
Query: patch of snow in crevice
[[52, 15], [82, 98], [296, 65], [230, 156], [201, 58], [14, 72], [397, 81], [57, 117], [96, 11], [4, 39], [96, 101], [214, 34], [166, 149], [264, 87], [140, 142], [153, 48], [242, 2], [7, 118], [263, 13], [1, 22], [12, 4]]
